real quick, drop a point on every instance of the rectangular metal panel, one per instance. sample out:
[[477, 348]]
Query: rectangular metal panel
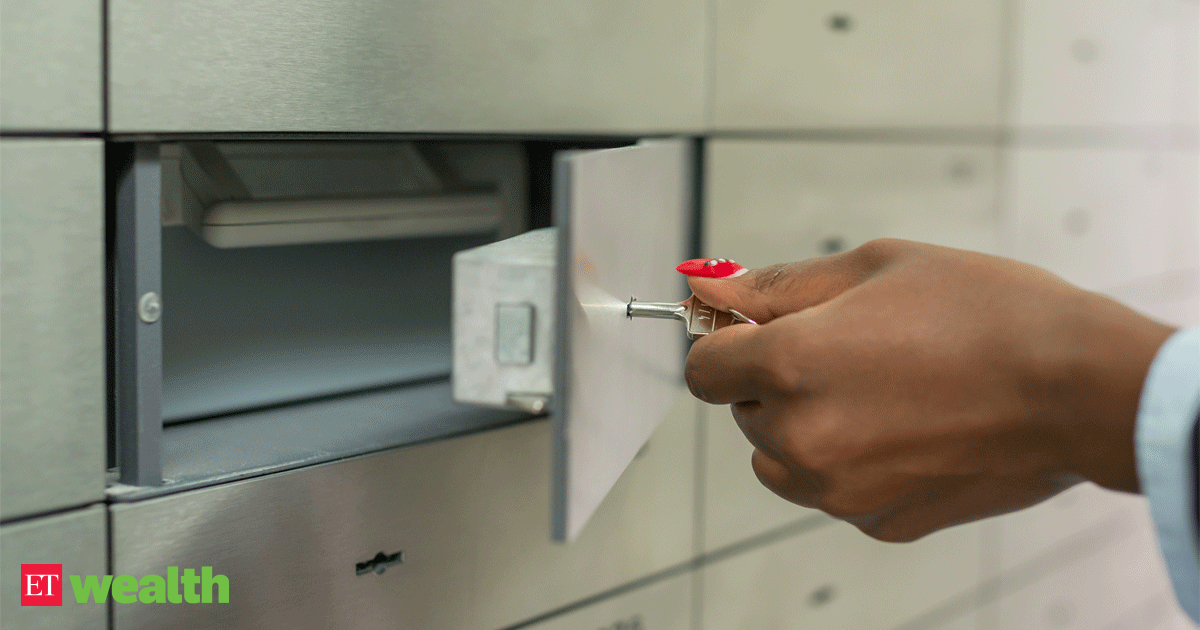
[[1120, 63], [857, 63], [137, 276], [469, 514], [310, 65], [623, 217], [77, 541], [50, 65], [52, 365], [665, 605], [1022, 536], [504, 321], [777, 201], [1105, 218], [837, 577], [1111, 576]]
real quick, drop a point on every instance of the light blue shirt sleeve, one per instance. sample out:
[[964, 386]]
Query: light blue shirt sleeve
[[1166, 419]]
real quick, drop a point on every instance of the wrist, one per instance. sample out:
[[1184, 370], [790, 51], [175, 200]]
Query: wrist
[[1111, 353]]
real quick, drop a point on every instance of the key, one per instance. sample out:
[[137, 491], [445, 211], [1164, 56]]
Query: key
[[699, 318]]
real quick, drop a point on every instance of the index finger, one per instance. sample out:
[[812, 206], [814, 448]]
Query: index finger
[[722, 366]]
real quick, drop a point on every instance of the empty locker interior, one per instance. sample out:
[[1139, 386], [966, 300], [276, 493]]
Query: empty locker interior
[[228, 233]]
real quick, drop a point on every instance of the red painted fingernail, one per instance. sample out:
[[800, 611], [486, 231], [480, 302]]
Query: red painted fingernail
[[711, 268]]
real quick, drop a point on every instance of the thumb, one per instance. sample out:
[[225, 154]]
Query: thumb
[[766, 293]]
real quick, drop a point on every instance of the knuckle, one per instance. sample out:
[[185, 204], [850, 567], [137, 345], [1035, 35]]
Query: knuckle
[[875, 253], [778, 370], [846, 505], [892, 532]]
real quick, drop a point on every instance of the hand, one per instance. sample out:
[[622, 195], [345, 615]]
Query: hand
[[906, 387]]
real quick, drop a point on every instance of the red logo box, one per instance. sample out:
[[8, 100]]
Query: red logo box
[[41, 585]]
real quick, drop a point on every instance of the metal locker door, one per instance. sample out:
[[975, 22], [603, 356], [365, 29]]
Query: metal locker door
[[623, 216], [540, 320]]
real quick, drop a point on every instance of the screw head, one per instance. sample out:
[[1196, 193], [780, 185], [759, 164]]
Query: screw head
[[150, 307]]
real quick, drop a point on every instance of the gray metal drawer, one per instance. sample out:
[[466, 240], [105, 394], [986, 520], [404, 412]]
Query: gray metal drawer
[[310, 65], [469, 515], [50, 65], [52, 407], [76, 540], [665, 605], [837, 577]]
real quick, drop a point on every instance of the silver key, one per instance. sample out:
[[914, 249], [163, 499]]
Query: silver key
[[699, 318]]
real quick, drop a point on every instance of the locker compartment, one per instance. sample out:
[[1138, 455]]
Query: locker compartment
[[836, 577], [50, 65], [779, 201], [1105, 219], [1123, 63], [665, 605], [1022, 536], [428, 67], [1119, 584], [284, 303], [52, 366], [469, 516], [932, 64], [77, 540]]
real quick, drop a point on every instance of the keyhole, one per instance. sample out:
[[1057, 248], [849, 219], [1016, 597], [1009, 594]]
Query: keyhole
[[1085, 50], [822, 595], [833, 245], [961, 169], [1076, 222], [839, 22]]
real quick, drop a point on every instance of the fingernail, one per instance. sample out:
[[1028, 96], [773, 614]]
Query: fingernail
[[711, 268]]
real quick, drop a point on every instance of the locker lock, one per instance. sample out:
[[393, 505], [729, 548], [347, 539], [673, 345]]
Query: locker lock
[[379, 563]]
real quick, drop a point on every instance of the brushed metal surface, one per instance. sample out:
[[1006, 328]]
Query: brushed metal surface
[[52, 371], [1103, 218], [1120, 64], [1109, 576], [623, 217], [75, 540], [50, 65], [469, 514], [925, 63], [837, 577], [461, 65], [517, 271], [665, 605]]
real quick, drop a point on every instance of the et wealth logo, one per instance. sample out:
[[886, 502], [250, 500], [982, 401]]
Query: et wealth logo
[[41, 585]]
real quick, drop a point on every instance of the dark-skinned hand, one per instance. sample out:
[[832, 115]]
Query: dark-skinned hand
[[906, 387]]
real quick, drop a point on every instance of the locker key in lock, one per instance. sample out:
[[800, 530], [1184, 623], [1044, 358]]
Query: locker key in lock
[[698, 317]]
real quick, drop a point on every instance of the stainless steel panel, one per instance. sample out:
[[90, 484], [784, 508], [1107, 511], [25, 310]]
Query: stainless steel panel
[[50, 65], [469, 514], [1022, 536], [778, 201], [52, 395], [857, 63], [837, 577], [75, 540], [665, 605], [503, 358], [1104, 218], [1124, 63], [623, 217], [1111, 576], [311, 65]]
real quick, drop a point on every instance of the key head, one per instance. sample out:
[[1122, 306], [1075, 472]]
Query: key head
[[702, 319]]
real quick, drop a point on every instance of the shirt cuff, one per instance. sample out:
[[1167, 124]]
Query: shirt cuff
[[1167, 416]]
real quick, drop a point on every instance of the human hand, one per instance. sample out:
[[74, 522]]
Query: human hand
[[906, 387]]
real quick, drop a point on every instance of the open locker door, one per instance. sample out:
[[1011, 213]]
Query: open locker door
[[624, 218]]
